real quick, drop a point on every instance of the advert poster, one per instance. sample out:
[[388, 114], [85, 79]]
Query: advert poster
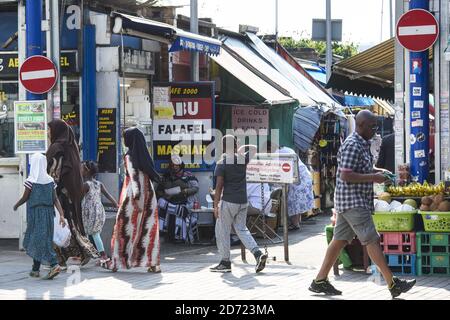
[[183, 119], [106, 140], [30, 126]]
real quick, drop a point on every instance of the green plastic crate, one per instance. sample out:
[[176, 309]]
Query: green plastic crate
[[436, 221], [433, 264], [432, 242], [394, 221]]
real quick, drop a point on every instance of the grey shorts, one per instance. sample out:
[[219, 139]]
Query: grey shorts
[[355, 221]]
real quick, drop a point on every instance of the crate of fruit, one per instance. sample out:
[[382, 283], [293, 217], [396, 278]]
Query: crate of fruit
[[435, 221], [394, 221]]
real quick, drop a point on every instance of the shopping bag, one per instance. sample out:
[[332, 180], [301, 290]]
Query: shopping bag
[[61, 235]]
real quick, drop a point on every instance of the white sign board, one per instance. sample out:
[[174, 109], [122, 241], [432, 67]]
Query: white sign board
[[273, 168]]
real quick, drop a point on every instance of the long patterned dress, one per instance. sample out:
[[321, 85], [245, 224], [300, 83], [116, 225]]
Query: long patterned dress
[[135, 241], [38, 241], [300, 195]]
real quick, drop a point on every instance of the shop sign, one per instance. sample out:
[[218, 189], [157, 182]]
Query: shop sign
[[30, 126], [246, 118], [138, 61], [106, 140], [182, 122], [9, 63]]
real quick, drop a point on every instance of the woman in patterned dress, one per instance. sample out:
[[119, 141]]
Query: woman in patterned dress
[[135, 241], [300, 195], [64, 166]]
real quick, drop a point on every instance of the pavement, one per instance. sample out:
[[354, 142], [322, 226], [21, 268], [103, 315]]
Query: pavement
[[185, 275]]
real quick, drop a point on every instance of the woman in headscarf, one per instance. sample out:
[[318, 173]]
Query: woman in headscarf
[[135, 241], [63, 164], [172, 207], [300, 194]]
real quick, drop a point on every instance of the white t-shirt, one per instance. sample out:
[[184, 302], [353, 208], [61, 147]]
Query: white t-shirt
[[254, 196]]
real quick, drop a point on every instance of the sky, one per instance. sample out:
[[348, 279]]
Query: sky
[[361, 23]]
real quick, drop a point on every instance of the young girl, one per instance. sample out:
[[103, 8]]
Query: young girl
[[41, 197], [92, 208]]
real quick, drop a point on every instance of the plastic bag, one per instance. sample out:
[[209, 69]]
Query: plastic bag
[[61, 235]]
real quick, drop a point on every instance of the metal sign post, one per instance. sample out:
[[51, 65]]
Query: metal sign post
[[278, 169]]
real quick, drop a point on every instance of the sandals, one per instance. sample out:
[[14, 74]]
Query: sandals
[[106, 264], [154, 269], [293, 227], [52, 273]]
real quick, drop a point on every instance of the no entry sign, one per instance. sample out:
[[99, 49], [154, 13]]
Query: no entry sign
[[38, 74], [417, 30]]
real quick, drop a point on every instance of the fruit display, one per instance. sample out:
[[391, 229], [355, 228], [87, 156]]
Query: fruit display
[[416, 189], [408, 205], [435, 203]]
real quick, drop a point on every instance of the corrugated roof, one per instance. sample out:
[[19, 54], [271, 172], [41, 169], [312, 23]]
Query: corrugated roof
[[251, 80], [377, 61]]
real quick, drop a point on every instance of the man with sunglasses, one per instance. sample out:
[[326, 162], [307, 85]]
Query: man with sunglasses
[[353, 202]]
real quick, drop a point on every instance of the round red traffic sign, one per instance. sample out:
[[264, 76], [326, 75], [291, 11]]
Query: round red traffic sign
[[38, 74], [286, 167], [417, 30]]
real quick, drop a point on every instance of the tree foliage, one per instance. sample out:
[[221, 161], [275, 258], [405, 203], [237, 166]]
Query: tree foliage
[[345, 50]]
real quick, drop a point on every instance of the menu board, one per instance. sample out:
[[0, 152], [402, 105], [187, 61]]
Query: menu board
[[107, 140], [30, 126]]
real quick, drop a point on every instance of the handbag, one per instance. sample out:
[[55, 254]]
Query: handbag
[[61, 235]]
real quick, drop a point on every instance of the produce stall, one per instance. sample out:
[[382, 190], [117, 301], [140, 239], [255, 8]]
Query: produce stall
[[414, 225]]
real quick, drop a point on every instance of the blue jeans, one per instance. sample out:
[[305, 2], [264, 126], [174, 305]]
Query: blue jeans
[[98, 242]]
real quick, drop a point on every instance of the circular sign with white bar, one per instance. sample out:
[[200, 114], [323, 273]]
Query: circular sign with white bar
[[38, 74], [417, 30]]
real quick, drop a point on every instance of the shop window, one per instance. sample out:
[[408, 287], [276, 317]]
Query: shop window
[[70, 107], [8, 94]]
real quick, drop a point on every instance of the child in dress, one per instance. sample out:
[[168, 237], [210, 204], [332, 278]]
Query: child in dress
[[40, 195], [92, 208]]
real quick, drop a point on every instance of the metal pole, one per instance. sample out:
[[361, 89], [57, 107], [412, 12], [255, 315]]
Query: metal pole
[[391, 22], [54, 27], [33, 20], [285, 223], [276, 21], [419, 108], [329, 58], [399, 88], [437, 94], [381, 24], [22, 96], [195, 73], [441, 104]]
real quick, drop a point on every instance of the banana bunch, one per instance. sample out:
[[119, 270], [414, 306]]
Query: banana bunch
[[416, 189]]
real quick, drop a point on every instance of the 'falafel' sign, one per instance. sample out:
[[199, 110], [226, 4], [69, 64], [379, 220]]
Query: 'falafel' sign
[[30, 126]]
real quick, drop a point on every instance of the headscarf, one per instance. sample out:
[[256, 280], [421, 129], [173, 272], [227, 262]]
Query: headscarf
[[63, 144], [137, 151], [38, 170], [176, 160]]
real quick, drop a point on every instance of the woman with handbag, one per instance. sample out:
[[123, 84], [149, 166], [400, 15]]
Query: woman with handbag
[[40, 195], [64, 165]]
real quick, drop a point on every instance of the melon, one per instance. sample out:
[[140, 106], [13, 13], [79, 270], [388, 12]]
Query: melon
[[385, 196], [444, 206], [411, 202]]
